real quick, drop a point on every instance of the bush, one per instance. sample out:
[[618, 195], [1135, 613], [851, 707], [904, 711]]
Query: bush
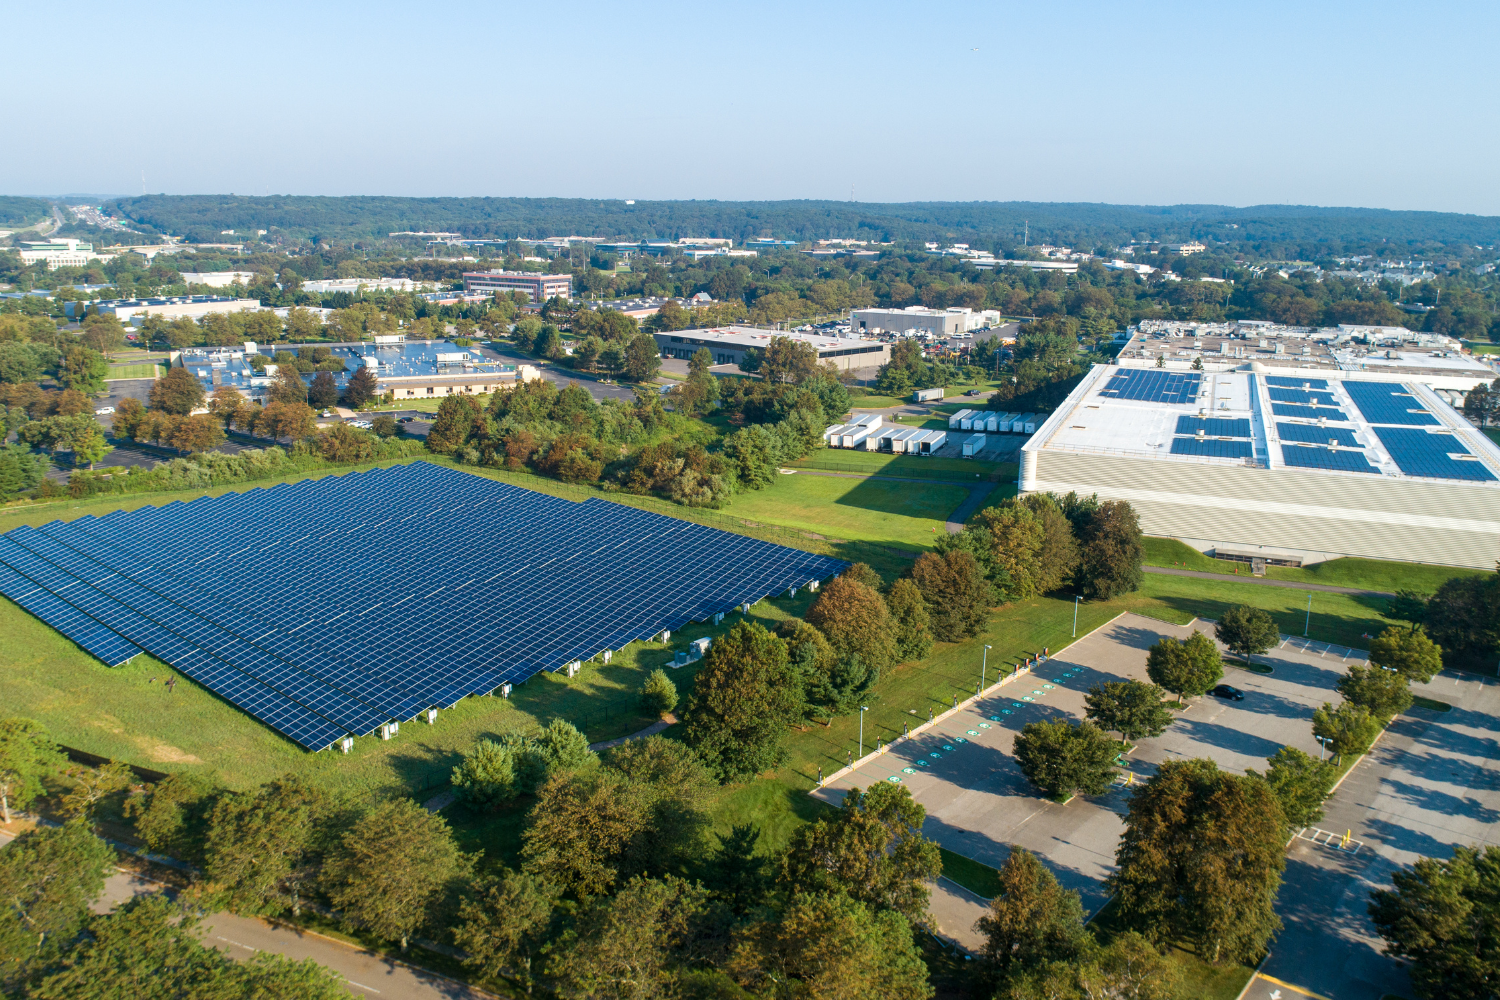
[[658, 694]]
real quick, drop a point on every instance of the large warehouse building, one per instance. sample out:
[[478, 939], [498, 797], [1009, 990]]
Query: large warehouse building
[[1286, 468], [728, 344]]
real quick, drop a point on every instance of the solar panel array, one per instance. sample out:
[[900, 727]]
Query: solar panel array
[[1154, 386], [1422, 453], [1313, 434], [1389, 403], [1296, 383], [1211, 448], [1307, 397], [1311, 457], [328, 607], [1236, 427], [1308, 412]]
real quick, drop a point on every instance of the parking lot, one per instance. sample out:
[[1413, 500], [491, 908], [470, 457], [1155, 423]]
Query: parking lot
[[979, 804]]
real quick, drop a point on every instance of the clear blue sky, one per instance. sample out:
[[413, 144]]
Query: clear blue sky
[[1389, 105]]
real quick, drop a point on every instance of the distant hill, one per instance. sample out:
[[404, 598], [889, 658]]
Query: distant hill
[[16, 211], [1295, 230]]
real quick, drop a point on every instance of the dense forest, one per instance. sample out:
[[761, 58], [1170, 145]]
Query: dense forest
[[1266, 230], [16, 211]]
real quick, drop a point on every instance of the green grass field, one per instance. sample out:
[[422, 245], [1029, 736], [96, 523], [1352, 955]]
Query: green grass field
[[872, 510], [911, 466], [143, 370], [1364, 574]]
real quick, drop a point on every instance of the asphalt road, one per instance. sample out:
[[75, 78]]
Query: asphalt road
[[368, 974], [562, 376]]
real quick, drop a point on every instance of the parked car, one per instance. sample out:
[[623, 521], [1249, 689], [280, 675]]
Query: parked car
[[972, 392], [105, 410], [1230, 693]]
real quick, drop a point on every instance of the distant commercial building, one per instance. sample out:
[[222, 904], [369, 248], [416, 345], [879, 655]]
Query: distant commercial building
[[218, 279], [766, 243], [1185, 249], [728, 344], [357, 285], [1290, 468], [61, 253], [921, 320], [168, 307], [538, 287]]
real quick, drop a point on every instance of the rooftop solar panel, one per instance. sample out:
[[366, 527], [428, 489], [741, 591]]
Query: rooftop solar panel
[[1309, 412], [1154, 386], [1312, 457], [1389, 403], [1211, 448], [369, 597], [1311, 397], [1423, 453], [1292, 382], [1214, 426], [1313, 434]]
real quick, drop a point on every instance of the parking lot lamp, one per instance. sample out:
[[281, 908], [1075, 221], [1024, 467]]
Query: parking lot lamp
[[1076, 598], [862, 710], [984, 666]]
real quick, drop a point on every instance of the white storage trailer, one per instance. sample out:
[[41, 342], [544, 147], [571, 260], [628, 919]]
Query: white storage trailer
[[1027, 424], [927, 395], [956, 419], [991, 422], [902, 438], [1005, 422], [973, 445], [928, 444], [831, 435]]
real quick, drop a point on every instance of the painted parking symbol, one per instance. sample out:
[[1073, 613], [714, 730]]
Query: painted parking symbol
[[986, 725], [996, 718], [1004, 711], [894, 780], [948, 747], [960, 739], [1058, 680], [1029, 697], [1047, 686], [1035, 691], [974, 732], [908, 770], [921, 763]]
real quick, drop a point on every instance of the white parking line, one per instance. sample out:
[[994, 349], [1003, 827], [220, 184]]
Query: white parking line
[[236, 943], [361, 986]]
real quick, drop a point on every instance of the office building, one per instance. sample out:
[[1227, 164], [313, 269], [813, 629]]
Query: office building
[[218, 279], [356, 285], [58, 253], [917, 320], [728, 345], [537, 286], [1283, 468]]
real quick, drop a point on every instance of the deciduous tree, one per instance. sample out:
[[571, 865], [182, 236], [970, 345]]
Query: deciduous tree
[[1408, 652], [1031, 921], [27, 754], [1059, 757], [958, 596], [1348, 730], [264, 846], [853, 617], [1131, 708], [1188, 668], [743, 699], [912, 624], [1301, 783], [361, 387], [48, 878], [1382, 692], [505, 923], [176, 392], [1441, 915], [1247, 631], [1111, 549]]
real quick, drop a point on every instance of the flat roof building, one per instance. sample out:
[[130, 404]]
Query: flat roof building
[[538, 287], [1297, 467], [357, 285], [728, 344], [919, 319], [60, 252], [168, 307], [218, 279]]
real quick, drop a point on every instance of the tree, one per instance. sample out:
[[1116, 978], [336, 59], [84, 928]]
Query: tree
[[91, 785], [48, 878], [1031, 921], [176, 392], [1247, 631], [1131, 708], [1382, 692], [197, 433], [1463, 617], [286, 421], [263, 846], [788, 361], [1059, 757], [1347, 730], [324, 391], [911, 623], [1057, 559], [393, 869], [171, 817], [744, 698], [587, 831], [957, 595], [1201, 860], [495, 771], [90, 447], [226, 405], [456, 418], [1408, 606], [1301, 783], [737, 875], [1442, 916], [658, 694], [361, 387], [385, 425], [831, 947], [873, 849], [27, 753], [1014, 543], [1111, 550], [287, 386], [853, 617], [642, 358], [83, 369], [149, 948], [1408, 652], [504, 925], [1189, 668]]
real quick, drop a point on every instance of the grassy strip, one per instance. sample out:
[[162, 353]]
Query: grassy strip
[[1364, 574], [853, 460], [1200, 980], [133, 371], [977, 877]]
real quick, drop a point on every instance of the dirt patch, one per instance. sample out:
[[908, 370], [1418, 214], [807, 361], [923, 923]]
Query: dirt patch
[[166, 753]]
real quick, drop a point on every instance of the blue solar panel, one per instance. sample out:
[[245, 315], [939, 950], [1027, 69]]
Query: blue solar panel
[[1422, 453], [1211, 447], [359, 599], [1296, 383], [1308, 412], [1312, 457], [1214, 426], [1313, 434], [1389, 403], [1153, 386], [1307, 397]]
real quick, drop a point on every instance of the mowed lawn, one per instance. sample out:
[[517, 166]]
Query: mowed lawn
[[133, 371], [1365, 574], [869, 510]]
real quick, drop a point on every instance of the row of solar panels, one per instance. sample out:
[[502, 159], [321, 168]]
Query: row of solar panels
[[328, 607], [1153, 386]]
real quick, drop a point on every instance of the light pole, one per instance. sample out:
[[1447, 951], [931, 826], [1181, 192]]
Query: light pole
[[862, 710], [1323, 742], [1307, 624], [984, 667], [1076, 598]]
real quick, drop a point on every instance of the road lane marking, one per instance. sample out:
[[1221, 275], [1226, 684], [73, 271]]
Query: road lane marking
[[236, 943], [361, 986]]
